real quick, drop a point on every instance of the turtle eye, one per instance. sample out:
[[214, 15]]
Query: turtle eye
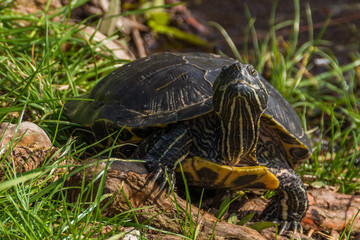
[[251, 70], [223, 71], [224, 68]]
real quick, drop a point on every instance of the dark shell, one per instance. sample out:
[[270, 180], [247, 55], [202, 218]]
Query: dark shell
[[159, 89], [284, 115]]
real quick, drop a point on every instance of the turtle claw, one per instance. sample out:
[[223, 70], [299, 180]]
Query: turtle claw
[[296, 226], [285, 225], [162, 187], [168, 188], [157, 175], [301, 228], [163, 175]]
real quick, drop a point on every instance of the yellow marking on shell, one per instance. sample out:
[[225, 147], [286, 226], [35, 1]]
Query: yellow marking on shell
[[161, 125], [170, 82], [228, 174], [206, 79], [134, 138], [288, 146]]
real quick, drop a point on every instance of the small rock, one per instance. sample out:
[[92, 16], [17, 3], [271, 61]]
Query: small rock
[[28, 135], [132, 235], [24, 148]]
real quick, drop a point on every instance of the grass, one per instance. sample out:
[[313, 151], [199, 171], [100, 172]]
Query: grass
[[44, 62]]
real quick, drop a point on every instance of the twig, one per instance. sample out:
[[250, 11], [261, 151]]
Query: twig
[[139, 43]]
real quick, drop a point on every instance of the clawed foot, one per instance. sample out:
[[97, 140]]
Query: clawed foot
[[287, 209], [284, 225], [294, 226], [164, 175]]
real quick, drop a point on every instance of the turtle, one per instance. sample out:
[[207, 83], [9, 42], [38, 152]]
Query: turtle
[[209, 114]]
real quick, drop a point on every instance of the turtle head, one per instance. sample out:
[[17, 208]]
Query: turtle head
[[240, 98]]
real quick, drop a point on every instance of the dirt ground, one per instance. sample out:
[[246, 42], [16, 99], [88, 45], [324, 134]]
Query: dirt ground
[[342, 33]]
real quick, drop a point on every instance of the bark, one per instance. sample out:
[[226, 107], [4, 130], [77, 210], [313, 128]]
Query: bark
[[332, 211], [329, 212], [131, 180], [21, 159]]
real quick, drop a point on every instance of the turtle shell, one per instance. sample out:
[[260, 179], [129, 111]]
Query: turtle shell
[[160, 89], [286, 127], [170, 87]]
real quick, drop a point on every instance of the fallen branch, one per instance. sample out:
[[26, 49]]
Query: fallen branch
[[129, 184]]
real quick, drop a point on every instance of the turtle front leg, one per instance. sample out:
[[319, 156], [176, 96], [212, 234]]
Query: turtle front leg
[[290, 203], [163, 152]]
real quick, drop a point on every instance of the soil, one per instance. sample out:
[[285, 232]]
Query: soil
[[342, 33]]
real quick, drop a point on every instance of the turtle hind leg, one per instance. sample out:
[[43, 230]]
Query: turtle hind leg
[[290, 203]]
